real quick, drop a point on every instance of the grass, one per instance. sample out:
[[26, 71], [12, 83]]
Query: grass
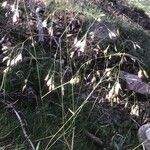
[[141, 4], [64, 110]]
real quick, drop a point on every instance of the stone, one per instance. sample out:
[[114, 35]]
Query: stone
[[101, 31], [143, 135]]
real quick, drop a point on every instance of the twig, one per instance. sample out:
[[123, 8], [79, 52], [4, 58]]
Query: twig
[[93, 137], [9, 105]]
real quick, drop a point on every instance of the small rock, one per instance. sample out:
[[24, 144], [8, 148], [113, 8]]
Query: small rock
[[103, 31], [143, 135]]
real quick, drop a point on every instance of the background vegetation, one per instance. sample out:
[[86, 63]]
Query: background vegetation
[[61, 87]]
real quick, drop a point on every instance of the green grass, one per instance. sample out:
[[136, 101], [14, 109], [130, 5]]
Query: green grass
[[144, 4]]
